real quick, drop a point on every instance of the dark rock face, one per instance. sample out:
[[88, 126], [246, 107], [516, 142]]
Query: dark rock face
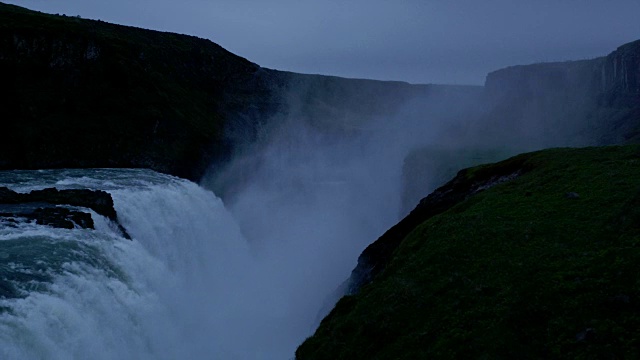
[[376, 256], [544, 105], [8, 196], [620, 94], [572, 195], [621, 70], [97, 200], [46, 210], [590, 102], [79, 93], [61, 218]]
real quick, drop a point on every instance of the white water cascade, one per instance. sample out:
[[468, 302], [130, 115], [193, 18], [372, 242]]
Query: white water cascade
[[199, 280], [170, 293]]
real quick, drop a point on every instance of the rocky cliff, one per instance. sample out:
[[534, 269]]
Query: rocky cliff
[[84, 93], [621, 71], [590, 102]]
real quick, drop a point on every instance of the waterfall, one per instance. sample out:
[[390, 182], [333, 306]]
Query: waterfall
[[170, 293], [200, 279]]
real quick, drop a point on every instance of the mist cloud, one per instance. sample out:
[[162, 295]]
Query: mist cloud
[[312, 193]]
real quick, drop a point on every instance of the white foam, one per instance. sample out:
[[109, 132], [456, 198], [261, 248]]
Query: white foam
[[164, 295]]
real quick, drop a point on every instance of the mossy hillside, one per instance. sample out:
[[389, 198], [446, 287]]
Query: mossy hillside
[[524, 269]]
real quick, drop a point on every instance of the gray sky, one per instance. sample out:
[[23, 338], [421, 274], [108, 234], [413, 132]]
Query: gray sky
[[428, 41]]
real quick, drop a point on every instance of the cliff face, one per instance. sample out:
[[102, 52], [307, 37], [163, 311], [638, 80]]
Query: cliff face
[[621, 71], [617, 73], [537, 80], [543, 105], [592, 102], [619, 104], [84, 93]]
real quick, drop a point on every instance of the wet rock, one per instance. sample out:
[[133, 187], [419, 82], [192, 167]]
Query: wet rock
[[586, 335], [621, 303], [621, 299], [96, 200], [48, 212], [58, 217], [62, 218], [572, 195]]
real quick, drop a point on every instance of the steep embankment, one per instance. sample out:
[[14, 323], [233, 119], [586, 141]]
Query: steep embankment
[[532, 257], [84, 93]]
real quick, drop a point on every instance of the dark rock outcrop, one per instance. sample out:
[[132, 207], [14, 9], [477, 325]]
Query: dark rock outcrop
[[61, 218], [96, 200], [45, 207]]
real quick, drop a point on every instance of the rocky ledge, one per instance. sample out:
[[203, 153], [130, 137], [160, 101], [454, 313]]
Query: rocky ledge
[[50, 207]]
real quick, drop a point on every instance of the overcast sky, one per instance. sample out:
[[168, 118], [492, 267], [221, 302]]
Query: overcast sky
[[428, 41]]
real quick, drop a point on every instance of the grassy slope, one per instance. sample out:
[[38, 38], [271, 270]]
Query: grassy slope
[[517, 271]]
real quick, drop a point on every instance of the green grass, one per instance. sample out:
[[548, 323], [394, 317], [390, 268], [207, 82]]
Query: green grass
[[518, 271]]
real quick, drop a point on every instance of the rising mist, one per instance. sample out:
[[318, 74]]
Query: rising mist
[[310, 197], [314, 190]]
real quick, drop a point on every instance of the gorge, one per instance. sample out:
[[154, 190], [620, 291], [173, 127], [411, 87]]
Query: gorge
[[297, 175]]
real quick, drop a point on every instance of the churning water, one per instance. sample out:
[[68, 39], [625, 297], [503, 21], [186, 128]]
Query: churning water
[[170, 293], [198, 280]]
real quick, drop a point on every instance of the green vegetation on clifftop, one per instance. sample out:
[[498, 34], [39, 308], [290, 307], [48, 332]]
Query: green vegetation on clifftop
[[541, 266]]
